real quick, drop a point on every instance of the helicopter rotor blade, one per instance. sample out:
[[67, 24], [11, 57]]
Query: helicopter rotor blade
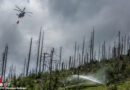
[[18, 7], [17, 10], [29, 12], [29, 15]]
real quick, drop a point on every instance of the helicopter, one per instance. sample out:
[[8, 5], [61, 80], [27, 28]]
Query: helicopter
[[22, 12]]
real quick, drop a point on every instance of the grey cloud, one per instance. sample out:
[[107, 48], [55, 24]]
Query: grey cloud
[[67, 21], [106, 16]]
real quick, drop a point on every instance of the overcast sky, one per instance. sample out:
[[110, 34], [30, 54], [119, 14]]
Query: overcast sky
[[64, 22]]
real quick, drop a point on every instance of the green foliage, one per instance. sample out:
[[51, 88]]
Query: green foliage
[[108, 71], [112, 87]]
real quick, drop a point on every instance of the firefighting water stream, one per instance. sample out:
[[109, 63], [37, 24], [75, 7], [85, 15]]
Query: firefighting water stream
[[87, 77]]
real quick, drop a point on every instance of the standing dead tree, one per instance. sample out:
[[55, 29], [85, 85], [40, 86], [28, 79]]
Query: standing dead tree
[[119, 51], [50, 68], [83, 50], [43, 64], [75, 50], [86, 57], [60, 57], [99, 53], [92, 46], [29, 55], [114, 51], [104, 50], [4, 62], [125, 44], [128, 43], [24, 68], [70, 62], [41, 52], [109, 52], [119, 45], [38, 51], [11, 71]]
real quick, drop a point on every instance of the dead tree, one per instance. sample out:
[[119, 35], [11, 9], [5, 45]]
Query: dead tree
[[3, 65], [86, 56], [92, 46], [83, 50], [60, 57], [119, 45], [104, 51], [62, 66], [99, 53], [43, 65], [125, 44], [109, 52], [122, 46], [50, 68], [78, 56], [75, 50], [38, 51], [11, 72], [41, 52], [119, 51], [4, 62], [24, 69], [29, 55], [114, 51], [128, 43], [70, 62]]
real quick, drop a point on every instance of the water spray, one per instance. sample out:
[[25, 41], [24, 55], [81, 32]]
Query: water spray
[[88, 77]]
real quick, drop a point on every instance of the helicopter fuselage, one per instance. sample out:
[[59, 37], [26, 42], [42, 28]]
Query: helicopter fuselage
[[21, 15]]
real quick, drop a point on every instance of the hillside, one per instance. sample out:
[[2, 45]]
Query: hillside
[[113, 73]]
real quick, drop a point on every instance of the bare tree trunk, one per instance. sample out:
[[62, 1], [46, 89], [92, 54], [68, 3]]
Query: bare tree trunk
[[99, 53], [24, 69], [125, 44], [93, 44], [38, 50], [78, 56], [60, 58], [119, 52], [109, 53], [114, 51], [75, 50], [83, 50], [91, 47], [29, 55], [70, 62], [4, 62], [86, 57], [44, 58], [50, 68], [122, 47], [41, 52], [103, 51], [128, 43], [119, 46]]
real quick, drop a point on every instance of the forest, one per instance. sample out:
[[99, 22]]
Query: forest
[[105, 68]]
